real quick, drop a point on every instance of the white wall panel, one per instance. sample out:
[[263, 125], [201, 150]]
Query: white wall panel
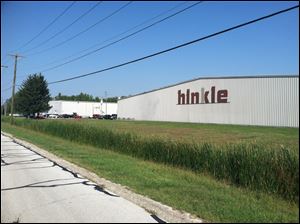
[[55, 107], [269, 101], [82, 108]]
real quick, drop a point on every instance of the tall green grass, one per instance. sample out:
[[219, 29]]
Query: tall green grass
[[255, 166]]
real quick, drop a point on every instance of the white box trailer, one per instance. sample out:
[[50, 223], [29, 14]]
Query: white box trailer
[[82, 108], [250, 100]]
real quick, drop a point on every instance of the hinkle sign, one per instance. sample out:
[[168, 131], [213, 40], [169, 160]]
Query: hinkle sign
[[203, 97]]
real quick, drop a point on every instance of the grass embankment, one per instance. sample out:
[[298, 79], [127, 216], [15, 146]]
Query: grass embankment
[[203, 133], [198, 194], [255, 166]]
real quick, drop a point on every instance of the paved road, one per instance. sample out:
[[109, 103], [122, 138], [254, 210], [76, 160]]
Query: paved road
[[34, 189]]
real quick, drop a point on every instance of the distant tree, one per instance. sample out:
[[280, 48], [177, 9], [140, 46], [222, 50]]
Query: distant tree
[[111, 99], [85, 97], [33, 96], [58, 97], [97, 99]]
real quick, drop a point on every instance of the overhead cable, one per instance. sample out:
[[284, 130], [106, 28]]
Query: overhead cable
[[85, 30], [178, 46], [115, 36], [8, 88], [65, 28], [123, 38], [47, 27]]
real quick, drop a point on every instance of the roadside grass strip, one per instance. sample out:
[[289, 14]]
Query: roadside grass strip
[[179, 187], [255, 166]]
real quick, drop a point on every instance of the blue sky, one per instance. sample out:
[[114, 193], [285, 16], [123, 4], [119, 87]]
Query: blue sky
[[269, 47]]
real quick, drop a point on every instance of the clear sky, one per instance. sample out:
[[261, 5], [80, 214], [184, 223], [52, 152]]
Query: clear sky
[[268, 47]]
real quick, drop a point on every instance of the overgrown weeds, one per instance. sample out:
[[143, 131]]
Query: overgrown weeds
[[252, 165]]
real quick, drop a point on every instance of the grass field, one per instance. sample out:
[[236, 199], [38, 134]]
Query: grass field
[[200, 133], [197, 193], [203, 133], [257, 165]]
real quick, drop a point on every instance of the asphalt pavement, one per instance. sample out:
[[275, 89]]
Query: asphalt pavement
[[35, 189]]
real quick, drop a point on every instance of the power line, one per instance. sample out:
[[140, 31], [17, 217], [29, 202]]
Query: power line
[[6, 89], [71, 38], [123, 38], [165, 12], [65, 28], [42, 30], [178, 46], [3, 72], [120, 34], [50, 24]]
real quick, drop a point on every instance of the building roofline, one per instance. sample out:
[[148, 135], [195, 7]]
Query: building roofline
[[78, 101], [214, 77]]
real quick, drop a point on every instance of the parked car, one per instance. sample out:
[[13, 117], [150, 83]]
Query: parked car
[[107, 117], [66, 116], [53, 116], [76, 116], [40, 116], [97, 116]]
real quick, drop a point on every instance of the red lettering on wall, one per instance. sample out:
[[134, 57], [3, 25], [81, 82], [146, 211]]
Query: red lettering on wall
[[193, 96], [188, 96], [181, 97], [213, 89], [206, 97], [220, 96]]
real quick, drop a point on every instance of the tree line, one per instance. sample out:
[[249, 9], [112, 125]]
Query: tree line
[[85, 97]]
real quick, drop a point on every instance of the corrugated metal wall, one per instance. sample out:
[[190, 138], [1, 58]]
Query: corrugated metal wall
[[267, 101]]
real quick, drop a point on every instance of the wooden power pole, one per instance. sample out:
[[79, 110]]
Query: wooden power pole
[[13, 88]]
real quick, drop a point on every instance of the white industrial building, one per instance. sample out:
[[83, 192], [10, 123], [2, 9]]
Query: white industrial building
[[251, 100], [82, 108]]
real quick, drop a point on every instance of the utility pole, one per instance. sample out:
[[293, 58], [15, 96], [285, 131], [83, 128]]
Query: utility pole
[[13, 88]]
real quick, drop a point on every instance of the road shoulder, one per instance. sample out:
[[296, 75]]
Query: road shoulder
[[158, 210]]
